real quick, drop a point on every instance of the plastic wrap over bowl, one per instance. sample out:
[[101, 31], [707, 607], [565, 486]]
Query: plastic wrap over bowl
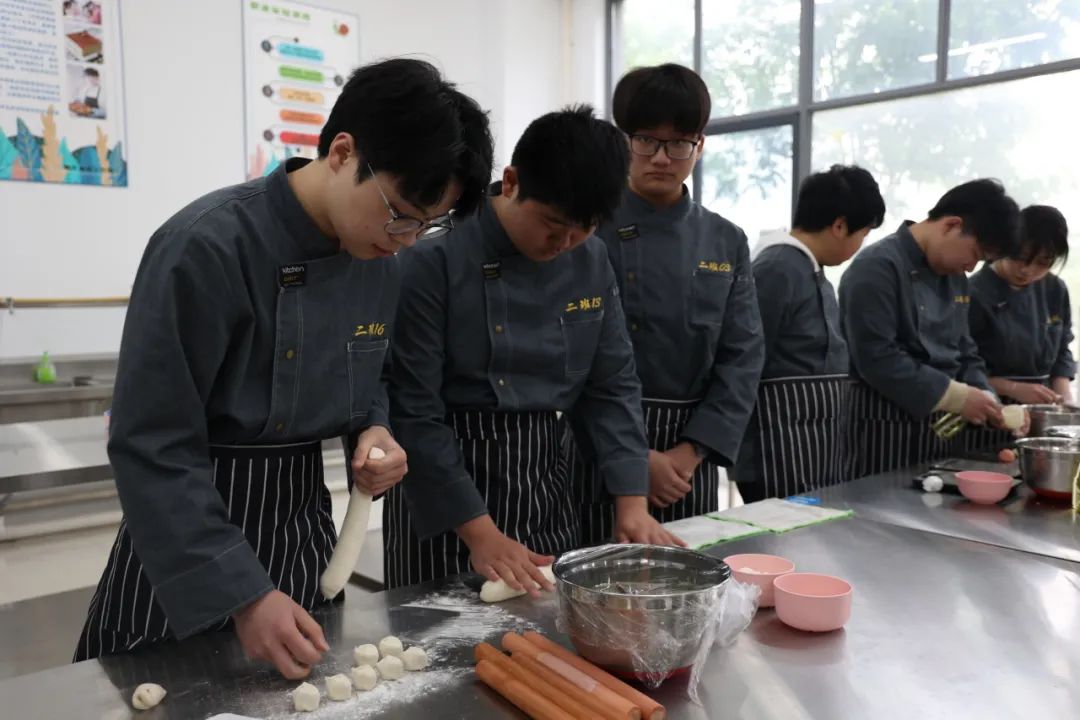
[[640, 611]]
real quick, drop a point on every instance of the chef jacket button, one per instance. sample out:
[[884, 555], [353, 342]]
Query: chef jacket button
[[279, 427], [502, 382], [634, 327], [499, 329], [290, 354], [631, 276]]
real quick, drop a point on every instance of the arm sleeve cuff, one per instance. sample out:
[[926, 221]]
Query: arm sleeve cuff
[[954, 397], [626, 477], [213, 591]]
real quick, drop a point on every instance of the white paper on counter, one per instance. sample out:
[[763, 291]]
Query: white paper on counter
[[702, 531], [779, 515]]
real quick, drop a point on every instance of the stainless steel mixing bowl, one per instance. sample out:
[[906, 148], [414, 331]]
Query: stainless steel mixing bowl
[[1048, 416], [1050, 465], [640, 610]]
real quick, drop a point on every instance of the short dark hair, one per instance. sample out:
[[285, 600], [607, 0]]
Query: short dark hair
[[987, 212], [574, 162], [408, 121], [648, 97], [1044, 231], [843, 191], [91, 72]]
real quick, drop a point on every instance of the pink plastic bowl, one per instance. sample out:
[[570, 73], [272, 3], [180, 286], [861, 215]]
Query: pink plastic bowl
[[759, 570], [812, 602], [984, 488]]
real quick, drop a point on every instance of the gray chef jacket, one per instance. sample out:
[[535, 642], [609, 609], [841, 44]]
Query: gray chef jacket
[[691, 309], [1022, 333], [906, 326], [246, 325], [800, 316], [481, 326]]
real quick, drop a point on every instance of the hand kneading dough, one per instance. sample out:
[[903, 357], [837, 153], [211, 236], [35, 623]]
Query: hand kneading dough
[[306, 698], [147, 696], [390, 668], [339, 687], [390, 646], [414, 659], [492, 592], [366, 655], [364, 677]]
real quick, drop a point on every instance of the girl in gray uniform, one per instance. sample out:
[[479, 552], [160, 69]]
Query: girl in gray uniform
[[1020, 315], [795, 440], [904, 306], [257, 327], [513, 319], [691, 311]]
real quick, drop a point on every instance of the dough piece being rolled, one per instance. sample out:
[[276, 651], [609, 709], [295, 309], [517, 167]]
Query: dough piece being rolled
[[390, 668], [1013, 415], [364, 677], [339, 687], [493, 592], [147, 695], [414, 659], [306, 698], [350, 539], [390, 646], [366, 655]]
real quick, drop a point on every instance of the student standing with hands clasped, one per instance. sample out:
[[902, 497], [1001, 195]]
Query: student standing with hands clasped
[[688, 294], [515, 318], [904, 306], [257, 327]]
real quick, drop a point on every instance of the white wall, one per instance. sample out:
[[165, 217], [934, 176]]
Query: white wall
[[183, 83]]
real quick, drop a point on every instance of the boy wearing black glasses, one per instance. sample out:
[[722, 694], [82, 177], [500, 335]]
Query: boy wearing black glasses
[[510, 320], [688, 295], [257, 328]]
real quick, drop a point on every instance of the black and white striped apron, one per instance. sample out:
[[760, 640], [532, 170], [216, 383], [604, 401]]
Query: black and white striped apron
[[798, 442], [515, 460], [664, 423], [882, 437], [276, 495]]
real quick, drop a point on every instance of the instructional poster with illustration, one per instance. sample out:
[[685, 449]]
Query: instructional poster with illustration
[[296, 60], [62, 92]]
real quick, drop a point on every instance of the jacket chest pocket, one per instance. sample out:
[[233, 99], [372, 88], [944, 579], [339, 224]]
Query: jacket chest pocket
[[364, 365], [581, 335], [708, 297]]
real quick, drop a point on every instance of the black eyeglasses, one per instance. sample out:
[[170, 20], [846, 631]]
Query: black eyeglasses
[[647, 146], [399, 224]]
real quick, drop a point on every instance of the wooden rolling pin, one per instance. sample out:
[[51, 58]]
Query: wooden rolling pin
[[623, 708], [525, 698], [650, 709], [594, 705], [486, 651]]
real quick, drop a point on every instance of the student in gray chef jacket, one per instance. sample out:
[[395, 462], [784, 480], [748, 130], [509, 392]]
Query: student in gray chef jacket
[[795, 440], [904, 304], [257, 327], [688, 294], [515, 318], [1020, 316]]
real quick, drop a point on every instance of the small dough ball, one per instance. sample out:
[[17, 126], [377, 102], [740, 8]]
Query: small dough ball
[[390, 668], [414, 659], [932, 484], [306, 698], [376, 454], [339, 687], [147, 695], [364, 677], [390, 646], [1013, 415], [366, 655]]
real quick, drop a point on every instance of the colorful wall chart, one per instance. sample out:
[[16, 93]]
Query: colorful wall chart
[[296, 59], [61, 92]]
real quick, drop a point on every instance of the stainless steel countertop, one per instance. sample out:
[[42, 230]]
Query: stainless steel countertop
[[941, 628], [53, 453], [1023, 522]]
